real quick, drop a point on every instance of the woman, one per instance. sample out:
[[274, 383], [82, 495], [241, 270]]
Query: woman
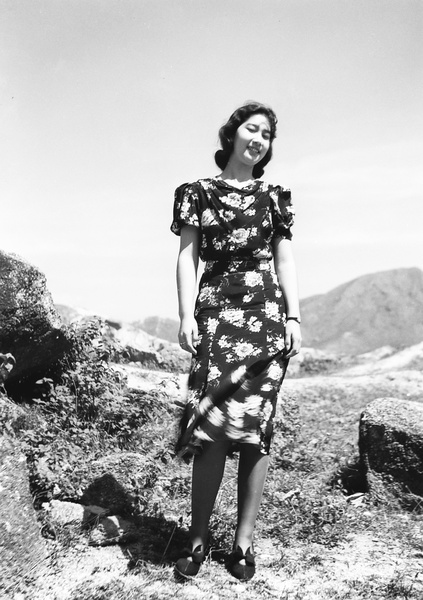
[[245, 314]]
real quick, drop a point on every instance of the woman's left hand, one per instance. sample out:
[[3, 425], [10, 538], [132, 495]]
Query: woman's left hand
[[292, 338]]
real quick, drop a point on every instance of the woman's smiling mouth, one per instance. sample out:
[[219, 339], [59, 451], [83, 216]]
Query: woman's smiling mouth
[[254, 150]]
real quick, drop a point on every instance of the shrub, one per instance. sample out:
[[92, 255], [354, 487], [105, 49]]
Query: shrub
[[87, 412]]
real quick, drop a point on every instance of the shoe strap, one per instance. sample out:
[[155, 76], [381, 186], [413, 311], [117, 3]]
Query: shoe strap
[[248, 556], [197, 554]]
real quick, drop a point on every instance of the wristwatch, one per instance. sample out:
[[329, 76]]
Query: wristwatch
[[297, 319]]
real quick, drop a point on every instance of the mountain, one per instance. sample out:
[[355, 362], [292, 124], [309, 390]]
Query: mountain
[[161, 327], [380, 309]]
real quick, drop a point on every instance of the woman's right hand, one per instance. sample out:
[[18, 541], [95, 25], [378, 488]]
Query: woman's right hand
[[186, 275], [188, 335]]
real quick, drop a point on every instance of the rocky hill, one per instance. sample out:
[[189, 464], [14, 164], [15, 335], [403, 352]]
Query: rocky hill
[[380, 309], [161, 327]]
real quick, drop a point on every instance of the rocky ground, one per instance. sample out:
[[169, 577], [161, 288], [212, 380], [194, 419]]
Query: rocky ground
[[373, 560], [363, 567]]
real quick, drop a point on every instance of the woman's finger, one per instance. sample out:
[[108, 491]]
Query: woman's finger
[[186, 342]]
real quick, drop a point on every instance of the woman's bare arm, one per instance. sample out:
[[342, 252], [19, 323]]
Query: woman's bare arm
[[287, 276], [186, 276]]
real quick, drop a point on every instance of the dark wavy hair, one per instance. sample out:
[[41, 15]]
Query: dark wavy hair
[[228, 130]]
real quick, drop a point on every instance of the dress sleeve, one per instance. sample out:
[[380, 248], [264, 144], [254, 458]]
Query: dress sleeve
[[283, 213], [186, 209]]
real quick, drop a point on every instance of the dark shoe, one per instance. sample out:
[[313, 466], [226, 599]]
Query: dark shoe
[[189, 563], [244, 571]]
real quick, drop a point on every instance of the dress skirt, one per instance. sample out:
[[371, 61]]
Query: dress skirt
[[241, 321]]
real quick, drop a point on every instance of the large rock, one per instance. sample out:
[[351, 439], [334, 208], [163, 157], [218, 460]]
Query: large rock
[[104, 529], [30, 327], [21, 546], [64, 513], [391, 448]]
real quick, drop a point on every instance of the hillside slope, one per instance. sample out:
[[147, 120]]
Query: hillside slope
[[161, 327], [371, 311]]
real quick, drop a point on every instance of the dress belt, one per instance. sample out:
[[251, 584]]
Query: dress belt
[[218, 267]]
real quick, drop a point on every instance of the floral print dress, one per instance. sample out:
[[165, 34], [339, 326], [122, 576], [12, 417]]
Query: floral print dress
[[240, 307]]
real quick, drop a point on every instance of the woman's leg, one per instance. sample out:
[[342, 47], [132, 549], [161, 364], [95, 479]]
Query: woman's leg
[[252, 473], [207, 475]]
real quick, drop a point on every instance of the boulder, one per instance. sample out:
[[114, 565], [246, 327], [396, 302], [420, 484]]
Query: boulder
[[105, 529], [121, 483], [61, 513], [391, 449], [22, 547], [30, 327]]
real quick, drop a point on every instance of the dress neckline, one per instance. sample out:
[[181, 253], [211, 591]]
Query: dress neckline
[[249, 187]]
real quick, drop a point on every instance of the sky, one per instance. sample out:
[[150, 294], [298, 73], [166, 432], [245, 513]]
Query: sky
[[106, 106]]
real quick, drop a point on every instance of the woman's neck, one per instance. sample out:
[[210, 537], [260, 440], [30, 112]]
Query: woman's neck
[[237, 173]]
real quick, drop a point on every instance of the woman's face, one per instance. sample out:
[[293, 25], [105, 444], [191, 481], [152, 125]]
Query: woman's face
[[252, 140]]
